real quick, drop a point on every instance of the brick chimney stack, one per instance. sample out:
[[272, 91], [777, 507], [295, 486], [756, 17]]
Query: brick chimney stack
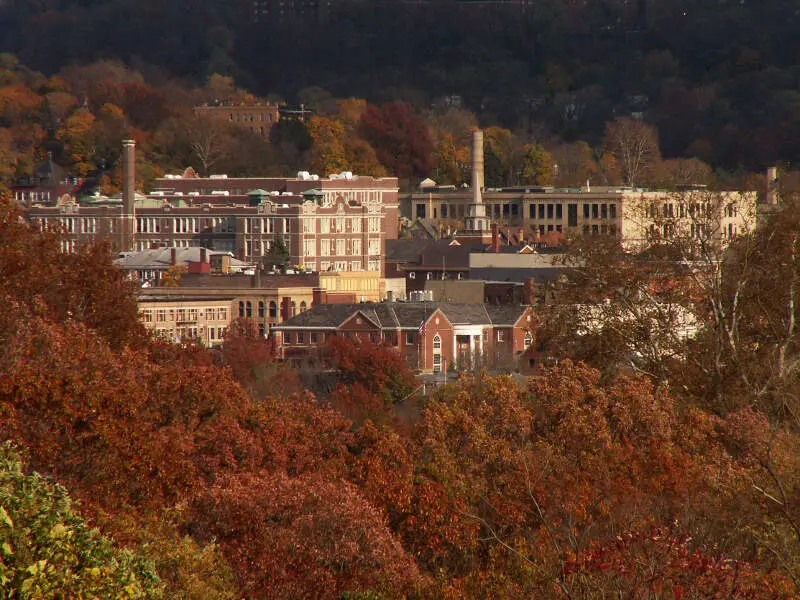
[[772, 186], [495, 238]]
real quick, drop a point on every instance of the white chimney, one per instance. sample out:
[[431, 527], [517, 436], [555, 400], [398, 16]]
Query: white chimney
[[477, 166]]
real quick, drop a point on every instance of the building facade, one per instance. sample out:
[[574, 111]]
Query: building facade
[[635, 216], [432, 337], [258, 117], [339, 223], [186, 317]]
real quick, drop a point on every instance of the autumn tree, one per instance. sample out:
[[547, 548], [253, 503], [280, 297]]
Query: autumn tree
[[634, 146], [546, 469], [377, 367], [536, 165], [328, 150], [78, 134], [49, 551], [401, 139], [302, 537]]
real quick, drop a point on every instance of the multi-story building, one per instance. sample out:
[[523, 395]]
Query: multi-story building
[[431, 336], [186, 317], [336, 223], [279, 11], [257, 117], [636, 216]]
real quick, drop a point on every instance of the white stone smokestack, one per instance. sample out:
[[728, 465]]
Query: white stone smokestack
[[477, 166], [772, 186], [128, 193]]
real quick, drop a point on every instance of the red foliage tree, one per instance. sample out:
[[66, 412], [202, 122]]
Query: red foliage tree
[[305, 537], [401, 139]]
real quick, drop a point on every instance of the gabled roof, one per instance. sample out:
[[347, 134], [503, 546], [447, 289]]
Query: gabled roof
[[405, 250], [504, 314], [161, 258], [404, 315]]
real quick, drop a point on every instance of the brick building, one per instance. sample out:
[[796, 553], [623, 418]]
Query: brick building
[[337, 223], [257, 117], [431, 336]]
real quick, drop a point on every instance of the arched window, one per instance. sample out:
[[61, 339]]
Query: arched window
[[241, 309], [437, 342], [528, 339], [249, 306], [273, 310], [261, 309], [303, 306], [412, 275]]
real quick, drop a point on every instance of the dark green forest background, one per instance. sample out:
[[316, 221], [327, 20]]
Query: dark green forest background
[[718, 78]]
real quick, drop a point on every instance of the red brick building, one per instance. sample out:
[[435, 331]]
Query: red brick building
[[431, 336], [337, 223]]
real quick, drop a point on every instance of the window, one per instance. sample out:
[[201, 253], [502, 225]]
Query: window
[[559, 211], [501, 336], [313, 338], [528, 339], [541, 211], [223, 314], [412, 275], [324, 226], [437, 342], [241, 308], [612, 210], [374, 224], [303, 306], [340, 251], [308, 247], [437, 363], [301, 338], [356, 247], [411, 337], [294, 308], [308, 225], [273, 309], [261, 309], [357, 225], [374, 247], [249, 306], [585, 211], [325, 247]]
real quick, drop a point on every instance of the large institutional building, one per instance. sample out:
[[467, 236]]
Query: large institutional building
[[637, 216], [335, 223]]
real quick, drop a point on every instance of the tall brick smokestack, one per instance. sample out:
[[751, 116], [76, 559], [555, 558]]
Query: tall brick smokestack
[[477, 166], [128, 193]]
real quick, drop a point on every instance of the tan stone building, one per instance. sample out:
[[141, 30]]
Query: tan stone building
[[636, 216], [186, 317]]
